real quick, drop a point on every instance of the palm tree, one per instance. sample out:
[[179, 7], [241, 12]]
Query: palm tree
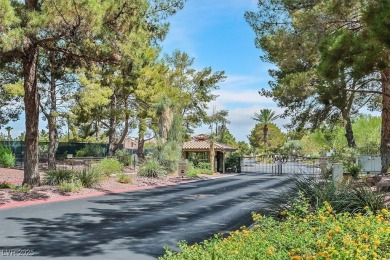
[[9, 128], [265, 117], [165, 117]]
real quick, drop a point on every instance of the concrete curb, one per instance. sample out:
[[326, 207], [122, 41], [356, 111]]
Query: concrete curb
[[96, 194]]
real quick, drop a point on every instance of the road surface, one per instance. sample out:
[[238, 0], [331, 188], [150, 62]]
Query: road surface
[[134, 225]]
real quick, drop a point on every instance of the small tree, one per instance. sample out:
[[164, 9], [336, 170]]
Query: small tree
[[265, 117], [165, 118], [9, 128], [275, 141]]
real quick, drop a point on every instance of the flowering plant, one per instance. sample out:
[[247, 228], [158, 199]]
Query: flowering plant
[[318, 235]]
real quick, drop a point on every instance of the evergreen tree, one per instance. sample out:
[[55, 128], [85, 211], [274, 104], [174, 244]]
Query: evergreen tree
[[343, 44], [275, 141], [191, 89], [89, 30]]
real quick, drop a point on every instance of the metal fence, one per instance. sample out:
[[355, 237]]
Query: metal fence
[[279, 165], [64, 148]]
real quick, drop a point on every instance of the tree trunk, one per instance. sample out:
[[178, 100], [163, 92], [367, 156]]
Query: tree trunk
[[141, 144], [97, 130], [265, 133], [31, 103], [52, 122], [385, 132], [124, 133], [165, 123], [113, 146], [112, 127], [141, 138], [212, 155], [349, 132], [53, 142]]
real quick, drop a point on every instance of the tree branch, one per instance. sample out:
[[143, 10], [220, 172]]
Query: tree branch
[[12, 54], [43, 109], [62, 16], [368, 92], [124, 133], [104, 124], [117, 15], [78, 56]]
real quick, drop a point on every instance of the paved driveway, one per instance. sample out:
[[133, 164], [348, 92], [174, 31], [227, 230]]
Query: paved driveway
[[134, 225]]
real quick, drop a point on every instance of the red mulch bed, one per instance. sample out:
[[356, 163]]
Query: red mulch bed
[[110, 184]]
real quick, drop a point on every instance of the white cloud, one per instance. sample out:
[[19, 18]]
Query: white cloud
[[242, 96], [241, 122], [243, 80]]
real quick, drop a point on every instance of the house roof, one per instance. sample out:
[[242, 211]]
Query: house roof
[[132, 143], [204, 145]]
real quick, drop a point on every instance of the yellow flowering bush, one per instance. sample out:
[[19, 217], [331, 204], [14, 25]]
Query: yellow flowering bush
[[318, 235]]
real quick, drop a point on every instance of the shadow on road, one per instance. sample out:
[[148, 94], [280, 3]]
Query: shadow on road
[[141, 223]]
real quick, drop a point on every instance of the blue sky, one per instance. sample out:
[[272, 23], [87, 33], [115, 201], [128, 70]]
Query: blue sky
[[216, 34]]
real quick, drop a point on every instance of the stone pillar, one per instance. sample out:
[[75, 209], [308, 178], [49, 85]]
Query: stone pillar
[[212, 155], [337, 172], [323, 163]]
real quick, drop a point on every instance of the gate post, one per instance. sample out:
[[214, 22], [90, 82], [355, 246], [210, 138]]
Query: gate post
[[279, 165], [337, 172], [239, 165]]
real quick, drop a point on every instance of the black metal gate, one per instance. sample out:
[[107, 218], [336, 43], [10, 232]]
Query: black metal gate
[[280, 164]]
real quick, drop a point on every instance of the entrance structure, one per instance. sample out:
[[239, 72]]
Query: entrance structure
[[282, 164], [202, 149]]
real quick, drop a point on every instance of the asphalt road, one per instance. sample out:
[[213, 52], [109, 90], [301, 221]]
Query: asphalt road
[[134, 225]]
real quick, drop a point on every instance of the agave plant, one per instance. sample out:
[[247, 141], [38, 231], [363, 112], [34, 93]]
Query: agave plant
[[152, 168]]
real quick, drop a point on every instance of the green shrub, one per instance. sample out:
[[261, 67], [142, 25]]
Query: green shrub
[[124, 157], [351, 198], [55, 177], [194, 172], [91, 150], [315, 191], [190, 164], [207, 171], [124, 178], [43, 151], [89, 177], [6, 185], [326, 173], [318, 235], [152, 168], [232, 162], [21, 188], [168, 155], [74, 185], [354, 169], [7, 158], [360, 198], [204, 165], [108, 166]]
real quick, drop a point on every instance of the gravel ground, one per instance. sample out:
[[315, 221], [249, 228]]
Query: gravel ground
[[110, 184]]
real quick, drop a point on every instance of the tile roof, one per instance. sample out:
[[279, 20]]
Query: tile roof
[[205, 145]]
